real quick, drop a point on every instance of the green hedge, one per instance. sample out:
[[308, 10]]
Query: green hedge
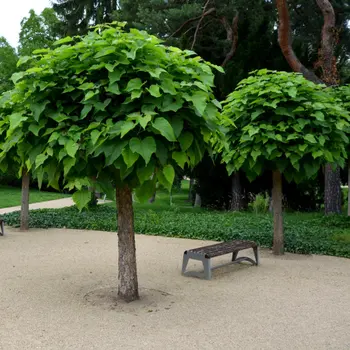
[[304, 233]]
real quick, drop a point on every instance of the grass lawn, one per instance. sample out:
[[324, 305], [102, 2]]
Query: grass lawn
[[11, 196], [304, 232]]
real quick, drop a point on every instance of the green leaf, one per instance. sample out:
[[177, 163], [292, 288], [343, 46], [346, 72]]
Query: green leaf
[[68, 163], [126, 127], [71, 147], [81, 199], [115, 76], [177, 124], [129, 157], [162, 152], [15, 120], [169, 173], [319, 116], [40, 159], [146, 190], [134, 84], [310, 169], [17, 76], [86, 86], [292, 91], [114, 150], [65, 40], [310, 138], [154, 90], [199, 100], [165, 129], [114, 89], [317, 154], [35, 128], [90, 94], [145, 173], [95, 134], [85, 111], [144, 120], [167, 86], [106, 51], [144, 148], [38, 108], [180, 158], [186, 140]]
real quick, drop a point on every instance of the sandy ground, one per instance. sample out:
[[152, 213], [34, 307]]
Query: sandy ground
[[54, 204], [56, 292]]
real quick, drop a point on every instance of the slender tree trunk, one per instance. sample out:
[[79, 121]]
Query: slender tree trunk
[[127, 276], [25, 201], [190, 190], [349, 187], [198, 201], [278, 235], [236, 191], [332, 192]]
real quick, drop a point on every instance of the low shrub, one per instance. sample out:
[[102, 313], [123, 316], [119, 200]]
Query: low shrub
[[304, 233]]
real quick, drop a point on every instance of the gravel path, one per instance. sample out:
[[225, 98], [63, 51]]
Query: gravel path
[[57, 291]]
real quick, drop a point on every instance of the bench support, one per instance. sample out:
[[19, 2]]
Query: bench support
[[2, 228]]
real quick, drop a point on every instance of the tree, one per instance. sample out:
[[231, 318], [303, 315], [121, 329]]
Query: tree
[[38, 31], [78, 15], [283, 123], [8, 61], [112, 110], [327, 64]]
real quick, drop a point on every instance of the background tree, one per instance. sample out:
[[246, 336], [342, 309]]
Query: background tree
[[38, 31], [283, 123], [8, 61], [112, 110], [78, 15]]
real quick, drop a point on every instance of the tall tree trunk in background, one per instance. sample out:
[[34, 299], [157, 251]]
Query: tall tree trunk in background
[[236, 192], [349, 187], [329, 74], [25, 201], [327, 63], [198, 201], [332, 191], [278, 235], [127, 276], [190, 190]]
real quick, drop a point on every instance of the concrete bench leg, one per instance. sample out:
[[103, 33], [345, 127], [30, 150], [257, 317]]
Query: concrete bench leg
[[234, 256], [207, 269], [2, 229], [184, 263]]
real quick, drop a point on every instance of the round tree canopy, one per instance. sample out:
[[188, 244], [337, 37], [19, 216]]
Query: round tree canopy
[[283, 122], [112, 106]]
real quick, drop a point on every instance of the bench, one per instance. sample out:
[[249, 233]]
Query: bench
[[205, 254], [2, 229]]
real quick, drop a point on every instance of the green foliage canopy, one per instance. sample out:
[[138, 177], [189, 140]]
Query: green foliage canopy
[[110, 107], [283, 122]]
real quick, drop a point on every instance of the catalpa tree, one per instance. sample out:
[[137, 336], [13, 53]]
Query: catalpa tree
[[283, 123], [112, 109]]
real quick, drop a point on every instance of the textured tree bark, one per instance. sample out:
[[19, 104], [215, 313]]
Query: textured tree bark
[[327, 63], [236, 191], [332, 191], [349, 187], [25, 201], [127, 276], [278, 235], [285, 42]]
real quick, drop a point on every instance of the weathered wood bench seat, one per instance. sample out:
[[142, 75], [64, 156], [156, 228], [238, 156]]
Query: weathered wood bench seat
[[2, 229], [205, 254]]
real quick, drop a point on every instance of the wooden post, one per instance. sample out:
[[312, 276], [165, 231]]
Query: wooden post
[[127, 276], [278, 235], [25, 201]]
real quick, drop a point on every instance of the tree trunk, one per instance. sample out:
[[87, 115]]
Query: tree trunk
[[236, 191], [349, 187], [285, 42], [198, 201], [25, 201], [332, 191], [190, 190], [278, 236], [127, 276]]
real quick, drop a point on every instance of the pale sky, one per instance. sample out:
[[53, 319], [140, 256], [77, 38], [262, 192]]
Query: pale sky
[[11, 14]]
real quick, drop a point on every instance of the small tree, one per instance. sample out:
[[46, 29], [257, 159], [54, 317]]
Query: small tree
[[281, 122], [113, 110]]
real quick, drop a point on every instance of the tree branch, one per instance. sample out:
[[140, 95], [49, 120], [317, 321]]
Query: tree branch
[[232, 36], [284, 40], [207, 13], [199, 24], [327, 61]]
